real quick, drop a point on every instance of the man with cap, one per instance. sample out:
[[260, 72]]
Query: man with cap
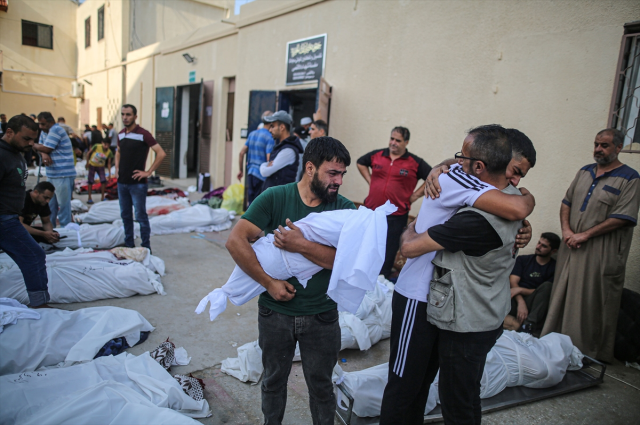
[[282, 167]]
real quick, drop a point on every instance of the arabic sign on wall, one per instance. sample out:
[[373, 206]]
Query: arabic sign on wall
[[305, 59]]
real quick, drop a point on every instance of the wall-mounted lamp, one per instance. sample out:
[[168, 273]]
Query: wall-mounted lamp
[[189, 58]]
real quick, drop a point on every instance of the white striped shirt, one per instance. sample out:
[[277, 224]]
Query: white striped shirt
[[459, 189]]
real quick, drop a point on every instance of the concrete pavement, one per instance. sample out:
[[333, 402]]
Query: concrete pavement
[[196, 266]]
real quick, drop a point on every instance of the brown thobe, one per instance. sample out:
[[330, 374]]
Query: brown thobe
[[585, 298]]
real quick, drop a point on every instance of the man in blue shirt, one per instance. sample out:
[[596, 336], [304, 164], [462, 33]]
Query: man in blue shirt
[[258, 146], [57, 155]]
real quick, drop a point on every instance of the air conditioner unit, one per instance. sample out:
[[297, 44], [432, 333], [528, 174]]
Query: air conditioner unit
[[77, 89]]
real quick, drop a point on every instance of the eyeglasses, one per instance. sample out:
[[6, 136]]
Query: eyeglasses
[[460, 156]]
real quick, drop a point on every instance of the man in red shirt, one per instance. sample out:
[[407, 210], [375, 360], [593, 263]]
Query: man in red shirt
[[393, 176]]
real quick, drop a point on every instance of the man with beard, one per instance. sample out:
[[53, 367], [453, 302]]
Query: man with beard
[[597, 217], [413, 338], [282, 167], [36, 203], [14, 239], [531, 280], [289, 313]]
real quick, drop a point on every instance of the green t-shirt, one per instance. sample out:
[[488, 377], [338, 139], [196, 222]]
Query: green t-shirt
[[270, 210]]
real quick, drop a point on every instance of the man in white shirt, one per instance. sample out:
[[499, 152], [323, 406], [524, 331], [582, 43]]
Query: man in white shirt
[[410, 375], [285, 156]]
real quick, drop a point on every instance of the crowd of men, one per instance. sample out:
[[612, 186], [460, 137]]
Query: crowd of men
[[462, 283]]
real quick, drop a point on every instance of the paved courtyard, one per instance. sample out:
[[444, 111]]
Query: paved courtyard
[[195, 266]]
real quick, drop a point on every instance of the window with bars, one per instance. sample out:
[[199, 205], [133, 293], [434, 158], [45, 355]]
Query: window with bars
[[625, 102], [87, 32], [37, 35], [101, 23]]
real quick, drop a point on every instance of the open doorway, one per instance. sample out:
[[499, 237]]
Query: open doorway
[[186, 156], [298, 103]]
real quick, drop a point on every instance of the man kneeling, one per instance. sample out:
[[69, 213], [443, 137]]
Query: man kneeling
[[36, 203], [531, 281]]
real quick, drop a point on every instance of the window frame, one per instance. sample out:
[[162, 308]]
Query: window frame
[[37, 25], [101, 23], [631, 31], [87, 32]]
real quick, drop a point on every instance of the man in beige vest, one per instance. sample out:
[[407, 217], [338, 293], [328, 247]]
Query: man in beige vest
[[469, 293]]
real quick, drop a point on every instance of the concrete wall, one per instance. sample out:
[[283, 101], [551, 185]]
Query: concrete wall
[[440, 68], [49, 72], [99, 65], [154, 21]]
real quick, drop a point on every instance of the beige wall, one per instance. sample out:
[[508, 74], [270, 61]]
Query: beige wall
[[99, 68], [49, 88], [440, 68], [154, 21]]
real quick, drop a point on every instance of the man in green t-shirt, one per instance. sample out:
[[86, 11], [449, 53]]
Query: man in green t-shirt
[[289, 313]]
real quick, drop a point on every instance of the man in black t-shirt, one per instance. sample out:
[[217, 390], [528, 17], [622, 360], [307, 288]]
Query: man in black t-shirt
[[36, 203], [531, 282]]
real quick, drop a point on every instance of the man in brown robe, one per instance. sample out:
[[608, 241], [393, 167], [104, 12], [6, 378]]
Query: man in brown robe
[[597, 217]]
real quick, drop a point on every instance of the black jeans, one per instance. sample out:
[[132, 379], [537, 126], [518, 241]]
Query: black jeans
[[395, 226], [319, 339], [462, 358]]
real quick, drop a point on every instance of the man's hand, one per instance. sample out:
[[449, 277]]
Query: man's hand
[[139, 174], [524, 235], [51, 236], [240, 174], [522, 310], [576, 240], [566, 235], [270, 164], [290, 240], [46, 159], [281, 290], [432, 188]]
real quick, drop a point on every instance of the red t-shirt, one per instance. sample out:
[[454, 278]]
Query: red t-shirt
[[393, 180], [134, 148]]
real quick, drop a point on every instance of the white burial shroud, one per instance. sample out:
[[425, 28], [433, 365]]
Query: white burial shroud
[[109, 211], [359, 237], [517, 359], [84, 275], [62, 338], [122, 389]]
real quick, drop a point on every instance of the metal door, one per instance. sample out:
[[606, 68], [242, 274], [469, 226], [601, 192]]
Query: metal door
[[165, 101], [260, 101]]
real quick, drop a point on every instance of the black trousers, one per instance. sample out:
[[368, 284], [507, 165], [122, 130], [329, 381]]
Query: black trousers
[[395, 227], [462, 357], [412, 367], [537, 304]]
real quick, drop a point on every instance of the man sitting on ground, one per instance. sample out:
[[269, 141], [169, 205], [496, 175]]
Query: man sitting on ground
[[36, 203], [531, 282]]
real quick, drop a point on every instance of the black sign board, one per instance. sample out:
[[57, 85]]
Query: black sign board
[[305, 59]]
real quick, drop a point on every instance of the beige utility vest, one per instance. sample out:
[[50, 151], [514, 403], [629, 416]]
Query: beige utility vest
[[472, 294]]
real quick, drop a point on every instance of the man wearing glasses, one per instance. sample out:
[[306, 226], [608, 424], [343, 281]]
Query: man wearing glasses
[[479, 246]]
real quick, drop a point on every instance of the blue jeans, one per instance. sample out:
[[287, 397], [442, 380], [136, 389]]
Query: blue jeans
[[254, 187], [134, 195], [61, 199], [28, 255], [319, 339]]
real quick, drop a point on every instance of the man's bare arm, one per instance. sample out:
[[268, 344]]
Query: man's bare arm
[[509, 207], [414, 244], [364, 170], [42, 148], [117, 163], [294, 241], [419, 193], [243, 152], [238, 245]]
